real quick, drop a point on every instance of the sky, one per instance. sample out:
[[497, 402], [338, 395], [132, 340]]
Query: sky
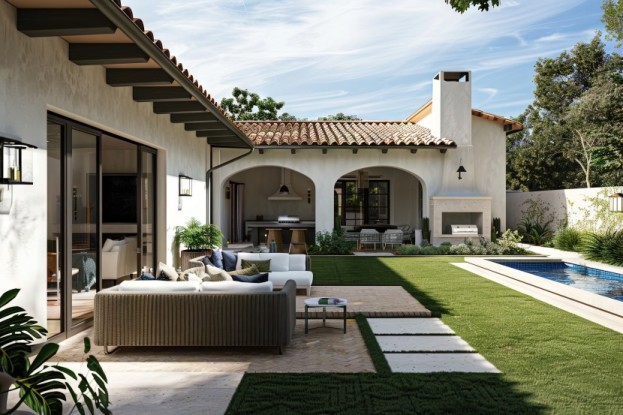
[[371, 58]]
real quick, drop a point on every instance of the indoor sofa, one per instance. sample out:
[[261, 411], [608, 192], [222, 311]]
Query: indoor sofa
[[183, 315]]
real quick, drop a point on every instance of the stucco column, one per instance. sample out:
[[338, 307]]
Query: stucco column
[[324, 205]]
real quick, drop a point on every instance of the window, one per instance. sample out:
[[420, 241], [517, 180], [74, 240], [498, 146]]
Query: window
[[353, 206]]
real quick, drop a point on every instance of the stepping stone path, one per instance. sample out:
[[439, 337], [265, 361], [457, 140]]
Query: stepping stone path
[[425, 345]]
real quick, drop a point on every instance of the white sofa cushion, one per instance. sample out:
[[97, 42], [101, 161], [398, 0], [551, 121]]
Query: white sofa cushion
[[298, 262], [236, 287], [159, 286], [278, 262], [302, 278]]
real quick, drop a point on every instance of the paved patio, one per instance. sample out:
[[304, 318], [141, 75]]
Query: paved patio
[[202, 380]]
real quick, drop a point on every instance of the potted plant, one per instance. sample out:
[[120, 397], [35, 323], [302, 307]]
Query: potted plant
[[43, 388], [197, 239]]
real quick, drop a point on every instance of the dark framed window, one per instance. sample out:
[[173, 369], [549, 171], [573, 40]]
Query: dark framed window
[[354, 206]]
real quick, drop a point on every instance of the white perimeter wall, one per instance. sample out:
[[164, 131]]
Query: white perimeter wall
[[36, 77], [574, 204]]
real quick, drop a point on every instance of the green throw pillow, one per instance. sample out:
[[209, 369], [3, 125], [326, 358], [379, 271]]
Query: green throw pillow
[[262, 265], [249, 270]]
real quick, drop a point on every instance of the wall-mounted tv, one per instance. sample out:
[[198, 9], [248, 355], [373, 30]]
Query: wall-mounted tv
[[119, 198]]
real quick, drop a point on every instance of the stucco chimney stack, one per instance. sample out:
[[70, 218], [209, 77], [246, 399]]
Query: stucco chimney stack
[[452, 106]]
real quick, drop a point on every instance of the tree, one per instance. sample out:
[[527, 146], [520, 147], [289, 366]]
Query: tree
[[340, 116], [613, 19], [462, 5], [249, 106], [572, 135]]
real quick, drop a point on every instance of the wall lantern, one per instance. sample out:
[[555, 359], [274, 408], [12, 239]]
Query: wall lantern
[[616, 202], [15, 161], [461, 169], [186, 185]]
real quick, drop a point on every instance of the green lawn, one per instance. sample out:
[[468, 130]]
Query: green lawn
[[551, 361]]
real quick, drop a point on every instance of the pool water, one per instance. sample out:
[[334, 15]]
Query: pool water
[[606, 283]]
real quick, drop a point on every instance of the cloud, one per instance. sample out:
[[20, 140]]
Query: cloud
[[366, 56]]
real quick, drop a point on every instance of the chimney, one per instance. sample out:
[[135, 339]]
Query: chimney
[[452, 106]]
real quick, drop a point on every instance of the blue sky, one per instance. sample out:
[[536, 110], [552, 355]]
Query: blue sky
[[371, 58]]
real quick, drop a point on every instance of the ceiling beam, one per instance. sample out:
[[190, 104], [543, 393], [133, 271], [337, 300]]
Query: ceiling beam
[[63, 22], [220, 133], [205, 126], [193, 117], [106, 53], [136, 77], [160, 93], [178, 106]]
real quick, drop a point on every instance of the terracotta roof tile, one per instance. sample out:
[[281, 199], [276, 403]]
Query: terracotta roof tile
[[340, 133]]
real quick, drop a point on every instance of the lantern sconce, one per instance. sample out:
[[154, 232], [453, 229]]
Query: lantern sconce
[[616, 202], [186, 185], [461, 169], [16, 161]]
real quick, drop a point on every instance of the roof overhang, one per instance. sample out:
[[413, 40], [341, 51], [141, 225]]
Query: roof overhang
[[510, 126], [102, 32]]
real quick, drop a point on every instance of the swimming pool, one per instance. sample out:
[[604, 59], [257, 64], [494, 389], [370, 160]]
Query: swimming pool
[[606, 283]]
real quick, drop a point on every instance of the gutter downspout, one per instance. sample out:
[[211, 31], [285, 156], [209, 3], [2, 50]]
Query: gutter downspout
[[209, 193]]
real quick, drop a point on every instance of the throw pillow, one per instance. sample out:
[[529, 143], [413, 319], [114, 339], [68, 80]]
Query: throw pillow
[[216, 257], [108, 245], [206, 260], [166, 270], [229, 260], [262, 277], [216, 274], [197, 271], [262, 265], [251, 270]]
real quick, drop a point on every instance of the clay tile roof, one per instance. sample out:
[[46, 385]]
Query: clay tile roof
[[340, 133]]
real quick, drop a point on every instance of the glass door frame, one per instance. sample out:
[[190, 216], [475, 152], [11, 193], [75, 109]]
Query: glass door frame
[[68, 328], [141, 150]]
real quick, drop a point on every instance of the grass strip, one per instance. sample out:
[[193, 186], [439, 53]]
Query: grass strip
[[376, 354]]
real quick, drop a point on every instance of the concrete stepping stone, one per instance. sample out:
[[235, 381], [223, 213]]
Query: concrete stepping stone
[[408, 326], [439, 362], [423, 344]]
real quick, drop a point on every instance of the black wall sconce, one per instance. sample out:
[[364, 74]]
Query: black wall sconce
[[616, 202], [186, 185], [461, 169], [16, 164]]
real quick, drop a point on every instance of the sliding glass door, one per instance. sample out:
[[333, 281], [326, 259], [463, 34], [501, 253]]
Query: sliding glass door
[[101, 218]]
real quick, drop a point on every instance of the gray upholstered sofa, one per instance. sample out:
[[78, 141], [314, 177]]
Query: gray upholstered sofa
[[135, 318]]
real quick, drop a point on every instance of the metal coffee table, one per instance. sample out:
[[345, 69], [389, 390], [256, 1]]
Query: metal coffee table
[[313, 302]]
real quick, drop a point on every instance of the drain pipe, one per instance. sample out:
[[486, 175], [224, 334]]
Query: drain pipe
[[209, 193]]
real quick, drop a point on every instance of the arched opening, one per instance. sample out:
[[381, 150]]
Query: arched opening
[[381, 198], [260, 198]]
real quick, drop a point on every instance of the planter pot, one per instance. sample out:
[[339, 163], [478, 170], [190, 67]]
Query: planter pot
[[6, 381], [186, 255]]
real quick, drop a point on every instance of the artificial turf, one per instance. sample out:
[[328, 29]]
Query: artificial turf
[[551, 361]]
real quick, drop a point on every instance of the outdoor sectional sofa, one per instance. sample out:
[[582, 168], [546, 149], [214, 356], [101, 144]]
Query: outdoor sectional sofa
[[184, 317], [283, 267]]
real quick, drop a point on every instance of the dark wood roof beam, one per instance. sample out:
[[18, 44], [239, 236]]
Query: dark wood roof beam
[[218, 133], [63, 22], [193, 117], [205, 126], [178, 106], [160, 93], [106, 53], [137, 77]]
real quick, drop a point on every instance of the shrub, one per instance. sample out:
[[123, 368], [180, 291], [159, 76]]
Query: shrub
[[430, 250], [605, 247], [331, 243], [425, 230], [460, 249], [535, 222], [567, 239], [408, 250]]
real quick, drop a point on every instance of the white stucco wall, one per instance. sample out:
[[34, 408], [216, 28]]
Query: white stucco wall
[[576, 206], [36, 77], [325, 169]]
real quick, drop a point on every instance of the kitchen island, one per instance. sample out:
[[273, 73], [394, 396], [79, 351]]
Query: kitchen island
[[257, 230]]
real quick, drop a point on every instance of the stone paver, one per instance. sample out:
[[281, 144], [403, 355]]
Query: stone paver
[[423, 344], [376, 301], [408, 326], [439, 362]]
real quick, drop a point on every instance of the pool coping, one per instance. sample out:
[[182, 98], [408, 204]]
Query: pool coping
[[596, 301]]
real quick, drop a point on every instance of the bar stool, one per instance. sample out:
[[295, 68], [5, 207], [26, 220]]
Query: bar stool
[[297, 241], [274, 234]]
